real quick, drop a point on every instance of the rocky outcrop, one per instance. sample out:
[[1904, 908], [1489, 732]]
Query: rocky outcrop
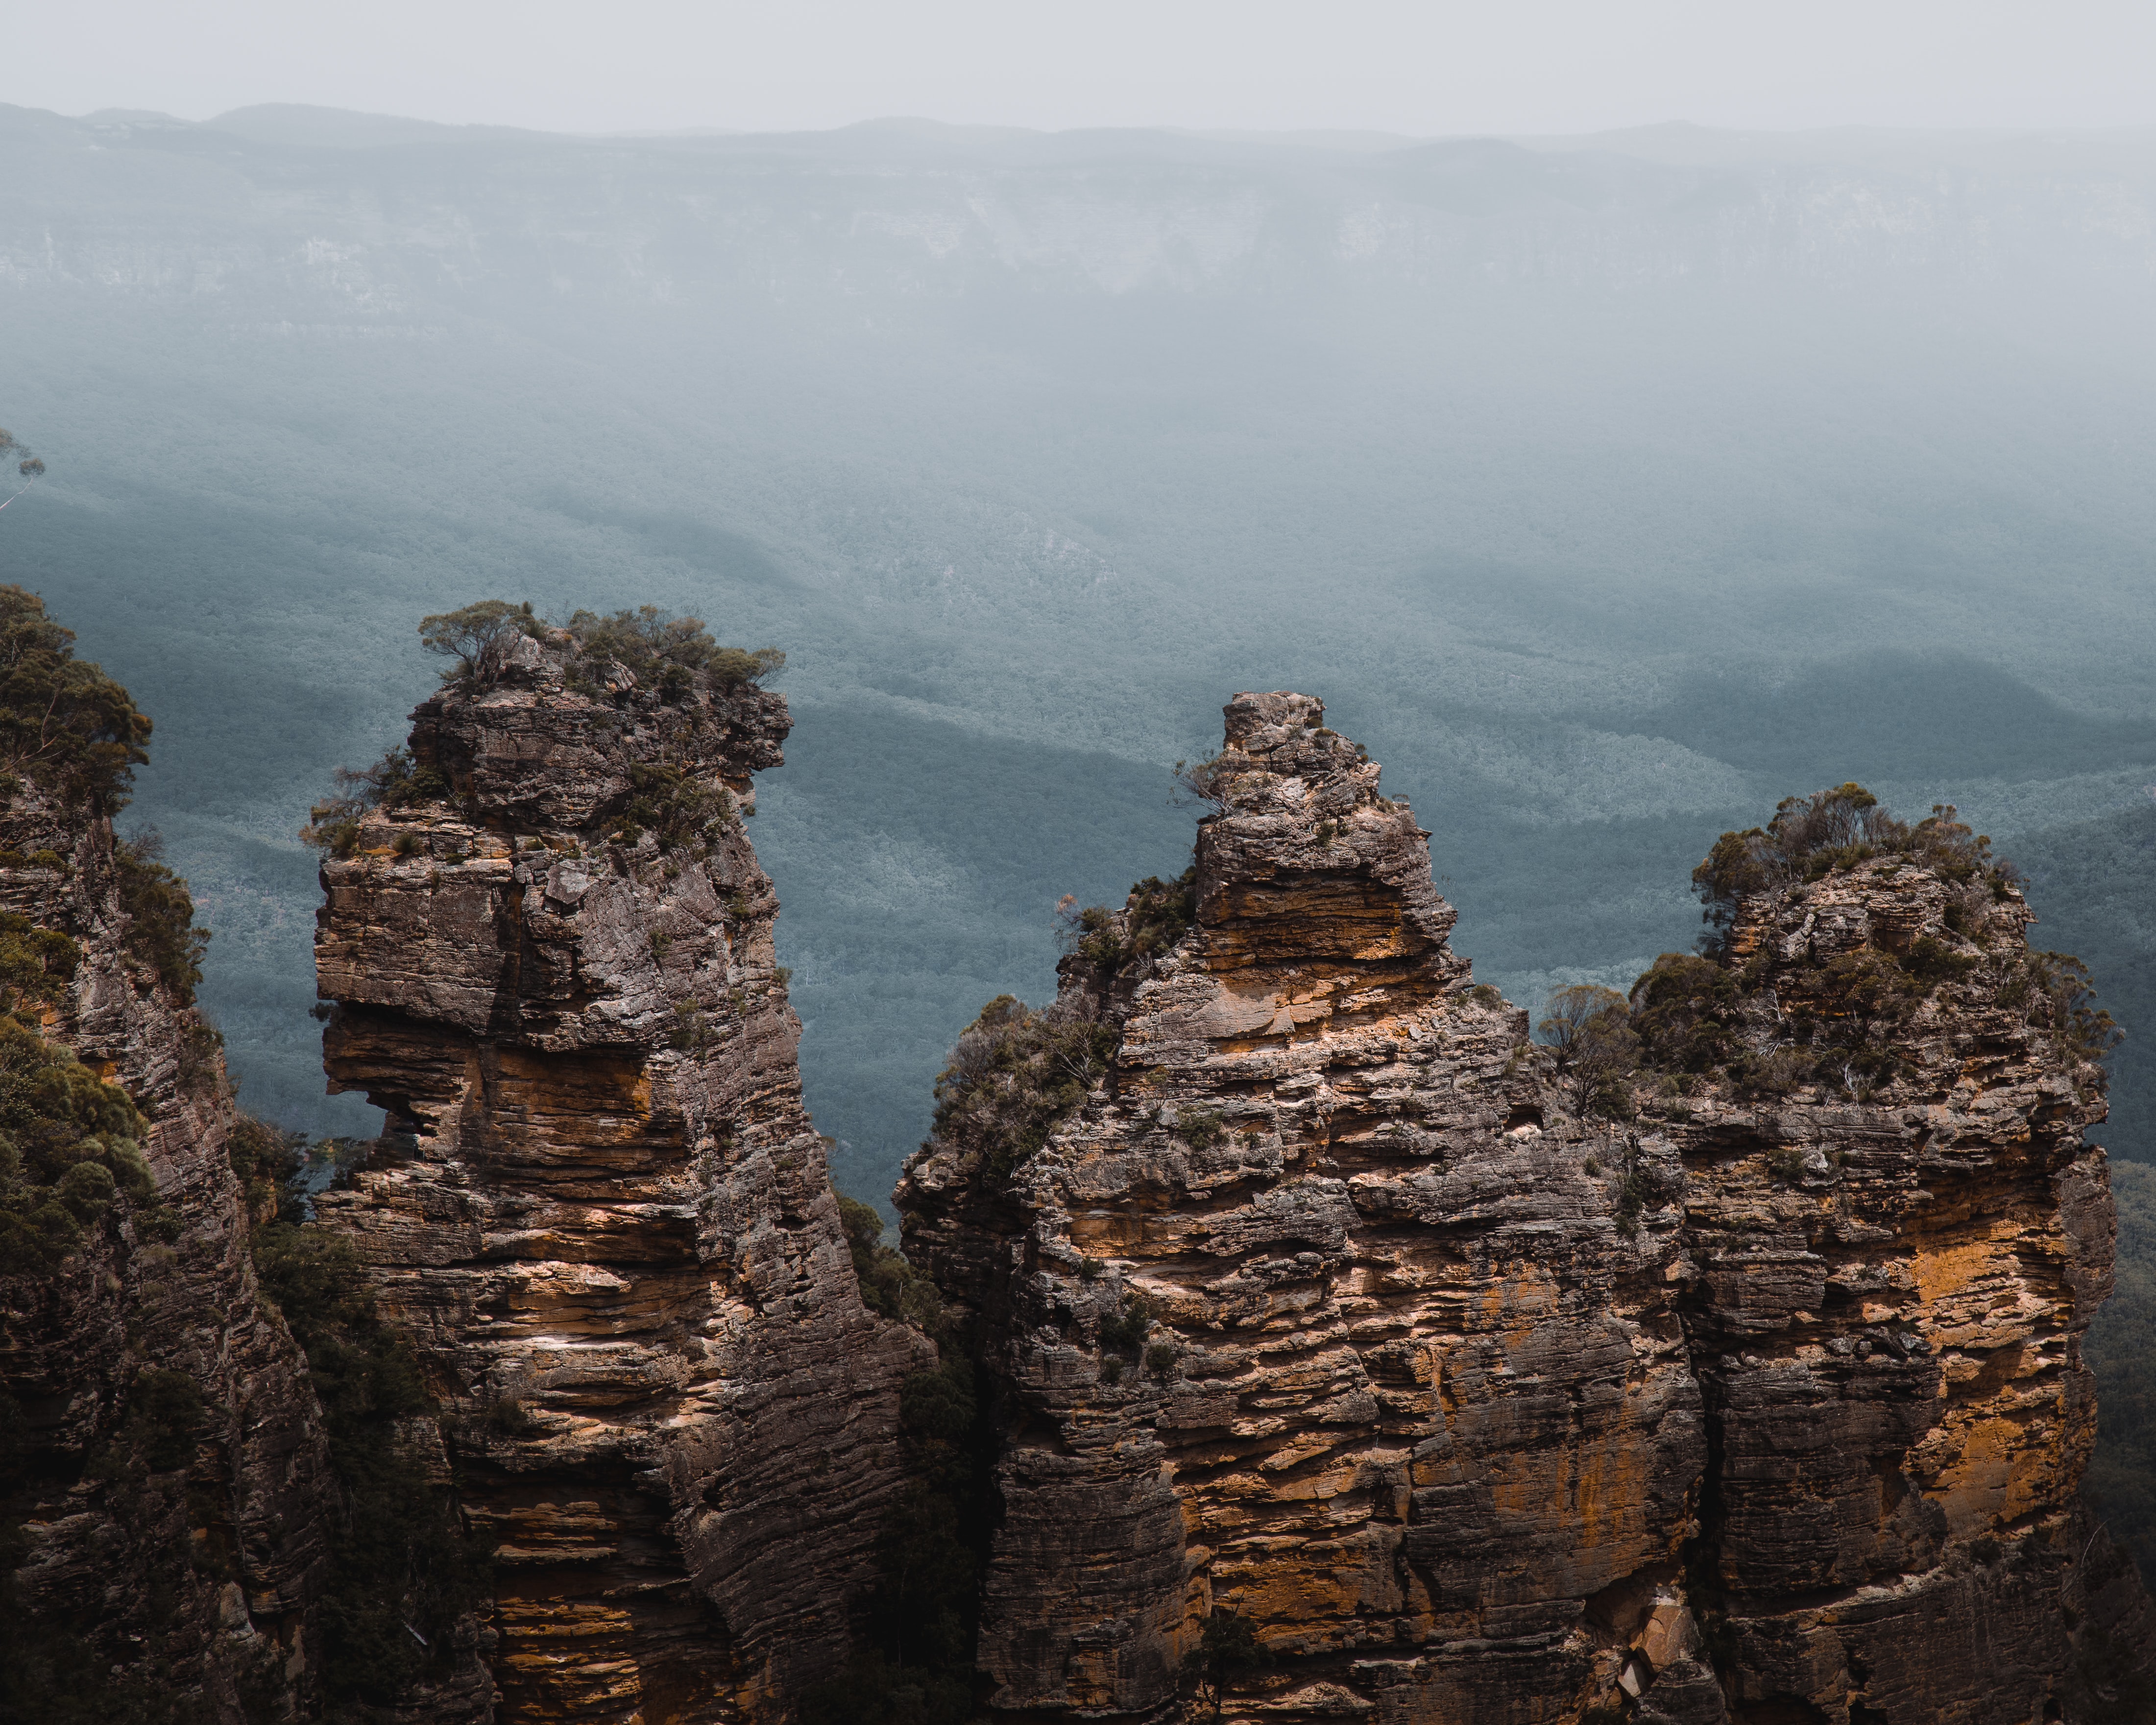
[[166, 1505], [601, 1212], [1755, 1393]]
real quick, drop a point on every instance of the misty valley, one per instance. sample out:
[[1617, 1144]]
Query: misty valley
[[926, 924]]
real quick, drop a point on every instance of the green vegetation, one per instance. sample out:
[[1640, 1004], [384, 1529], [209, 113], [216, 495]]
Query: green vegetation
[[1124, 1330], [27, 464], [922, 1617], [1594, 1048], [71, 1157], [1014, 1075], [479, 637], [920, 1622], [2121, 1481], [403, 1569], [1693, 1019], [665, 652], [1158, 914], [1227, 1647], [396, 781], [64, 723], [681, 808], [1810, 837], [161, 928], [890, 1287], [2056, 989]]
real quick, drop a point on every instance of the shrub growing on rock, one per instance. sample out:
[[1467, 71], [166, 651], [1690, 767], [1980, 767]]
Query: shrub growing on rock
[[890, 1287], [69, 1158], [1595, 1049], [1014, 1075], [162, 931], [396, 781]]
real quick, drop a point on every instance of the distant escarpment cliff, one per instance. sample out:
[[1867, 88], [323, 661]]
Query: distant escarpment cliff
[[1353, 1354], [599, 1210], [169, 1510]]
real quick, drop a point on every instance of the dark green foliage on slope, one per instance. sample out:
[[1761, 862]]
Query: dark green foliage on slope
[[70, 1155], [404, 1568], [663, 652], [1158, 914], [1014, 1076], [918, 1632], [1693, 1019], [890, 1287], [64, 723], [395, 781], [1810, 837], [2095, 883], [161, 930]]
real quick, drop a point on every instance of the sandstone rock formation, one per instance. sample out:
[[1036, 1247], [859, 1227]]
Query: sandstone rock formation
[[602, 1213], [166, 1498], [1756, 1394]]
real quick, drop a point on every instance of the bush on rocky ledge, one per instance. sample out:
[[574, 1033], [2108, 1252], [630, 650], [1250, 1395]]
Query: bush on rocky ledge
[[1014, 1075]]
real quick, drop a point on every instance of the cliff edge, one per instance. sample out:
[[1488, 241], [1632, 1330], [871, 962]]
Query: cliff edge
[[1356, 1356], [167, 1503], [600, 1210]]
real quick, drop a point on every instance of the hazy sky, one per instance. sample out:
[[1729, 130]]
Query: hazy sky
[[1417, 66]]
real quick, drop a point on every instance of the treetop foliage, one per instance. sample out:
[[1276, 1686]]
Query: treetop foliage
[[62, 722], [1810, 837], [1763, 1028], [660, 651], [477, 636], [1589, 1032], [1158, 914], [1014, 1075], [160, 912], [401, 1558], [69, 1150], [890, 1287]]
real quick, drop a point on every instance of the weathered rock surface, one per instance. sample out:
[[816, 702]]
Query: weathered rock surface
[[1760, 1410], [194, 1580], [605, 1220]]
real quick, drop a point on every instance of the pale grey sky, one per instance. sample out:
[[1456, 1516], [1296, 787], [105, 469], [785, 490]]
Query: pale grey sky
[[1436, 67]]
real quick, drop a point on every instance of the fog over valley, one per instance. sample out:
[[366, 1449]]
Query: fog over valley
[[1609, 488]]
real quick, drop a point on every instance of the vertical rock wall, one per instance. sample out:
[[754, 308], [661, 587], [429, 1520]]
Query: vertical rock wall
[[602, 1215], [141, 1578], [1323, 1308]]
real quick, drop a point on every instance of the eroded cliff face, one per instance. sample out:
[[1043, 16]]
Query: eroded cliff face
[[602, 1215], [166, 1503], [1322, 1308]]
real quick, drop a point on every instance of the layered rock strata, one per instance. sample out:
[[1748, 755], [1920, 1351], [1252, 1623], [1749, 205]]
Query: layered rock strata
[[166, 1503], [603, 1216], [1323, 1308]]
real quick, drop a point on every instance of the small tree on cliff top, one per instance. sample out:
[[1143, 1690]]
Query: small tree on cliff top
[[62, 722], [478, 637]]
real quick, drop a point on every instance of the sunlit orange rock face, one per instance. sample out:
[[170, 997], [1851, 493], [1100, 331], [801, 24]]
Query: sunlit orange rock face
[[1757, 1408], [604, 1217]]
